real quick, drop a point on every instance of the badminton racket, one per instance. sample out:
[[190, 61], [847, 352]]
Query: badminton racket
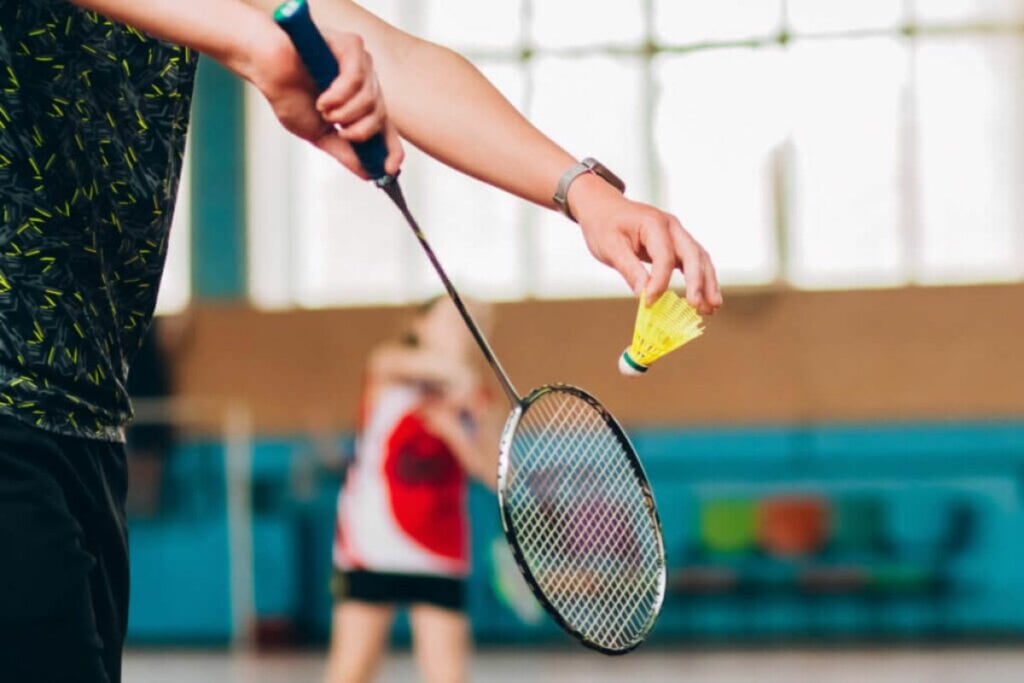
[[576, 506]]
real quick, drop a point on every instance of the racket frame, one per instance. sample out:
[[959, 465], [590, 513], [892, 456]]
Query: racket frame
[[508, 526]]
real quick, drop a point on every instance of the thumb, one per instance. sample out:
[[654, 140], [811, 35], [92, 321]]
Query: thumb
[[396, 154], [342, 150]]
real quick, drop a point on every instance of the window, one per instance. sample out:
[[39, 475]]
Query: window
[[819, 143], [970, 159], [845, 207]]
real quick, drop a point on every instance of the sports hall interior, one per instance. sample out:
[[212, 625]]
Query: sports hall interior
[[838, 461]]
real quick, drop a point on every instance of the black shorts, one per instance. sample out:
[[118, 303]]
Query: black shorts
[[63, 557], [402, 589]]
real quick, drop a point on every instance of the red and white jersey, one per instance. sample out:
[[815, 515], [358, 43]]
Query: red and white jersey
[[403, 506]]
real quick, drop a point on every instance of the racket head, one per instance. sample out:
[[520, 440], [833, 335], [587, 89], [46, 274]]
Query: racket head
[[578, 512]]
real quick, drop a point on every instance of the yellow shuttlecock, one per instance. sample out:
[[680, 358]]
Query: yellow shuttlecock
[[661, 328]]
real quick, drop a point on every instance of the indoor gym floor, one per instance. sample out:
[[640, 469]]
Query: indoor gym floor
[[957, 665]]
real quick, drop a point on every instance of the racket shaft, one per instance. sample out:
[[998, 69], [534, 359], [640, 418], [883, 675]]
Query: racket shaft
[[294, 17], [394, 191]]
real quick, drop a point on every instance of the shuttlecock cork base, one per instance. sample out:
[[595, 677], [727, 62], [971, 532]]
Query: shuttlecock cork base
[[660, 328], [629, 367]]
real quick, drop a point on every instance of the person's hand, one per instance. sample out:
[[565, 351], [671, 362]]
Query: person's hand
[[351, 110], [624, 234]]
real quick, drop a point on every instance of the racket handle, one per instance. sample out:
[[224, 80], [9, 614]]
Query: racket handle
[[294, 17]]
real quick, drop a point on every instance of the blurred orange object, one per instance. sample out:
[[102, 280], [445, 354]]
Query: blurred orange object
[[792, 526]]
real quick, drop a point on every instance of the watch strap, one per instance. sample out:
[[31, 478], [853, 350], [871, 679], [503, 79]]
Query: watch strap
[[587, 165]]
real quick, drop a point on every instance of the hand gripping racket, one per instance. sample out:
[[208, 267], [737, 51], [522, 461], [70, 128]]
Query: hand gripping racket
[[575, 504]]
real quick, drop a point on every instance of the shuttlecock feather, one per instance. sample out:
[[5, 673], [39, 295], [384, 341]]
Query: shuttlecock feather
[[660, 329]]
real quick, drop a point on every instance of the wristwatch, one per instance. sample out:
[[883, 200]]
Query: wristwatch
[[588, 165]]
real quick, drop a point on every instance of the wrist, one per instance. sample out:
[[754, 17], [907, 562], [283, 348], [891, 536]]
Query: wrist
[[587, 167], [252, 49], [588, 192]]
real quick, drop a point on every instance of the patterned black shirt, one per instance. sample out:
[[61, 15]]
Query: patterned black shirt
[[92, 129]]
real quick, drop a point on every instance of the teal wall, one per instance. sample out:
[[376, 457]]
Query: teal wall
[[943, 559], [218, 208]]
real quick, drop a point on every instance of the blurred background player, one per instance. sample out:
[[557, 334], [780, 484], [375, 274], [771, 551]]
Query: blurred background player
[[427, 424]]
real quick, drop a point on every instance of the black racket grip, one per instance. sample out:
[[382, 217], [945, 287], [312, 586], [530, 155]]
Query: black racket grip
[[294, 17]]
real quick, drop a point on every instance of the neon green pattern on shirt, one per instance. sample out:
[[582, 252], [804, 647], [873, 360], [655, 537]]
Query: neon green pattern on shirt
[[93, 117]]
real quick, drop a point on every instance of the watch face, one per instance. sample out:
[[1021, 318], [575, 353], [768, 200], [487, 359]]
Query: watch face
[[612, 179]]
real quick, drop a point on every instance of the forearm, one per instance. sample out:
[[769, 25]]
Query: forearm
[[226, 30], [442, 104]]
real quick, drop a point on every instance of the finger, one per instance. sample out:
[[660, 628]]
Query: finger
[[659, 247], [365, 128], [354, 65], [712, 290], [340, 149], [345, 86], [360, 105], [623, 259], [689, 254], [396, 152], [705, 307]]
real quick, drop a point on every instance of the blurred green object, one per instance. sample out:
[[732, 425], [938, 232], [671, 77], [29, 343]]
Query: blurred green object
[[857, 524], [509, 586], [902, 578], [728, 525]]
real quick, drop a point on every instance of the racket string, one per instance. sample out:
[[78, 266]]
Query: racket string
[[619, 592], [567, 476], [604, 464], [583, 524], [566, 517], [574, 515]]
